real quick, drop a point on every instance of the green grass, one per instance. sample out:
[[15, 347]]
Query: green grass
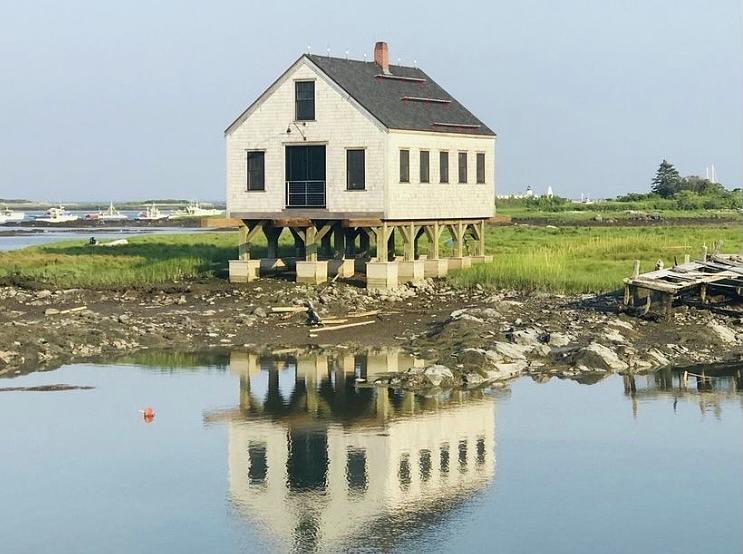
[[144, 261], [581, 259], [615, 210], [567, 259]]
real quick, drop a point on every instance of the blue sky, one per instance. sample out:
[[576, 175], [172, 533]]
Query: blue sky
[[129, 100]]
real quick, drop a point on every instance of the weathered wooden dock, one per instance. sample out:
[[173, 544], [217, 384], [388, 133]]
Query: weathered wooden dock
[[713, 278]]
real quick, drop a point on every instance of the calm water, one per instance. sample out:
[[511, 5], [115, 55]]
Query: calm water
[[36, 238], [257, 453]]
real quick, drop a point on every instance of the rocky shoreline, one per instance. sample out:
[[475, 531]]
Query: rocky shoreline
[[471, 337]]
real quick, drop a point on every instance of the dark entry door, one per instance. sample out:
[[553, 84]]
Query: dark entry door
[[305, 176]]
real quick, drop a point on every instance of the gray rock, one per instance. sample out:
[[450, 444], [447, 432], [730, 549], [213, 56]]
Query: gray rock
[[437, 374], [597, 356], [526, 337], [260, 312], [724, 334], [508, 352], [559, 340]]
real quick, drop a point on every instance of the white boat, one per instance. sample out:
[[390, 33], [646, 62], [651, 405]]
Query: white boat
[[9, 216], [152, 213], [194, 210], [111, 214], [57, 215]]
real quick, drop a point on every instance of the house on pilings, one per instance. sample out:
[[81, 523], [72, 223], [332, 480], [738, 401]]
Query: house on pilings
[[346, 154]]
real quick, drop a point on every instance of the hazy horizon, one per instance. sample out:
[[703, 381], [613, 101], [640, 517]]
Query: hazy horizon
[[130, 101]]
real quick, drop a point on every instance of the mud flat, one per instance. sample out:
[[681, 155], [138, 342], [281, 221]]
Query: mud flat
[[477, 335]]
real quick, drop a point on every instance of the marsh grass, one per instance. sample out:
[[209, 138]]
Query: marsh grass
[[582, 260], [144, 261], [568, 259]]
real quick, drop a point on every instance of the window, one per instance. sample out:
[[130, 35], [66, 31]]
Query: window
[[444, 458], [425, 167], [403, 472], [463, 167], [258, 464], [425, 464], [463, 456], [480, 168], [356, 469], [404, 166], [304, 96], [256, 170], [355, 169], [443, 167]]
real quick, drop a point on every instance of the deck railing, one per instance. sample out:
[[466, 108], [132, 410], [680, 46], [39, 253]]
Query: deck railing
[[305, 194]]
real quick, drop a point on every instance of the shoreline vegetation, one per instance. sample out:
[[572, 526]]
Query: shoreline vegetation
[[568, 259]]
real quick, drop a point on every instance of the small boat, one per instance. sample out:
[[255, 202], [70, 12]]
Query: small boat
[[152, 213], [57, 215], [111, 214], [194, 210], [9, 216]]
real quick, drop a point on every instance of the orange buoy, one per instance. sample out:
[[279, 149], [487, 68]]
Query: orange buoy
[[148, 414]]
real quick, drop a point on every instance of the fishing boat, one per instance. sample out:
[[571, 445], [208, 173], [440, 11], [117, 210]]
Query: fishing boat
[[111, 214], [152, 213], [57, 215], [9, 216], [194, 210]]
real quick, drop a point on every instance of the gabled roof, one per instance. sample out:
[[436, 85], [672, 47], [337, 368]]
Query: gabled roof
[[406, 98]]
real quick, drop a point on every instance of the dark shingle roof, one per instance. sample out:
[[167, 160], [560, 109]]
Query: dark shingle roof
[[401, 103]]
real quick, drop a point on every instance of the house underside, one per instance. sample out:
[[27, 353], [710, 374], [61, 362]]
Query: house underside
[[340, 245]]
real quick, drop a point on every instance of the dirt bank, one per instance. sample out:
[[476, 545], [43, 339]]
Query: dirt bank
[[481, 335]]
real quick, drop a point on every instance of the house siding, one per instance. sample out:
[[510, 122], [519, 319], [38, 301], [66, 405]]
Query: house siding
[[339, 125], [435, 200]]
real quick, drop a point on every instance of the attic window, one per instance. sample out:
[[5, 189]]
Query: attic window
[[400, 78], [456, 125], [304, 97], [420, 99]]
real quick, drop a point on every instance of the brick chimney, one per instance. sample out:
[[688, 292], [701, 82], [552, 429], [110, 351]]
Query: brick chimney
[[381, 57]]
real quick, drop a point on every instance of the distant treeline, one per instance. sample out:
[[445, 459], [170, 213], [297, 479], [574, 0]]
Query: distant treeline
[[669, 191]]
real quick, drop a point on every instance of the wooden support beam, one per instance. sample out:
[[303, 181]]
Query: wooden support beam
[[312, 240], [364, 241], [272, 240], [457, 234], [299, 242], [339, 241], [416, 248], [247, 232], [408, 238], [391, 245], [433, 232]]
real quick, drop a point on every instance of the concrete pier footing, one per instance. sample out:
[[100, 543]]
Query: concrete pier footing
[[342, 268], [312, 273], [486, 259], [411, 271], [436, 268], [244, 271], [381, 275], [460, 263]]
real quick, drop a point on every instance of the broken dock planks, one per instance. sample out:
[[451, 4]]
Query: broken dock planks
[[716, 276]]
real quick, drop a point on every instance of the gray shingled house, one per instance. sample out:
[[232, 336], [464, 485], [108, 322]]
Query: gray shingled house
[[345, 153]]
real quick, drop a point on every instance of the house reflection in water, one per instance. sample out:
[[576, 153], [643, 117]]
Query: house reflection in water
[[321, 462], [709, 390]]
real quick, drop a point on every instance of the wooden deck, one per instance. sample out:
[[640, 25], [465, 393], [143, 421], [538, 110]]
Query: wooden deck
[[715, 278]]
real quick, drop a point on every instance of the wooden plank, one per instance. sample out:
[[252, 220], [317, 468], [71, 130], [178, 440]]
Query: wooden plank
[[353, 223], [344, 326]]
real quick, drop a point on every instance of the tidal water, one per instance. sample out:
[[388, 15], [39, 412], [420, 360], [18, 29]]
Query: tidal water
[[290, 451], [27, 236]]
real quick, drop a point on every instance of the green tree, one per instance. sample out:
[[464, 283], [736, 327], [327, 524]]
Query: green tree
[[667, 180]]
